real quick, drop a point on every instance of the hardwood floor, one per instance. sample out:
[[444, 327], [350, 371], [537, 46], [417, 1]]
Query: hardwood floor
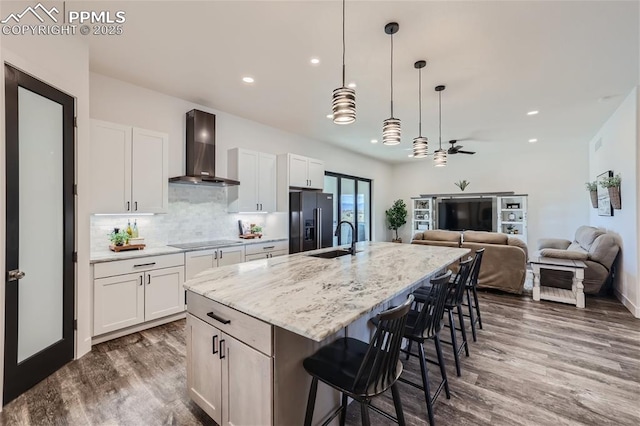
[[535, 363]]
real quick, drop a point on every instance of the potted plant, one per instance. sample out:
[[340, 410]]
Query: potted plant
[[592, 187], [462, 184], [118, 237], [612, 184], [257, 230], [396, 217]]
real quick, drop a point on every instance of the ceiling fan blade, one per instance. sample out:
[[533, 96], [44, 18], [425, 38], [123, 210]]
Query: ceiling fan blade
[[465, 152], [452, 151]]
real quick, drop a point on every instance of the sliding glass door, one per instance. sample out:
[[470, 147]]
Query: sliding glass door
[[351, 203]]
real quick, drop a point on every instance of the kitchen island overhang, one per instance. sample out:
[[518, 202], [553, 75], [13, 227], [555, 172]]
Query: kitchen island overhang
[[274, 312]]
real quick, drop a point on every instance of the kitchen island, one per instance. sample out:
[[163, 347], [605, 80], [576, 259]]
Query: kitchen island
[[250, 325]]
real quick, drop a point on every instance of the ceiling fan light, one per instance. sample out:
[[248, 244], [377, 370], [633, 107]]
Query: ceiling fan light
[[440, 158], [391, 131], [344, 105], [420, 146]]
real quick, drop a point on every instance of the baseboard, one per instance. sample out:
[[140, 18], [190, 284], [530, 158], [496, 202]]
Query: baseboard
[[136, 328], [635, 310]]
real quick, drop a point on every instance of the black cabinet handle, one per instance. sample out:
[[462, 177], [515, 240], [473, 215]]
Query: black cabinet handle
[[217, 318], [144, 264], [214, 344], [220, 254], [148, 279], [128, 205], [222, 348], [136, 204], [268, 247]]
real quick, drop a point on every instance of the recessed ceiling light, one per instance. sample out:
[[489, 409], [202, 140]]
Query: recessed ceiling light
[[374, 140], [532, 112], [533, 140], [315, 61], [410, 155], [329, 116], [248, 79], [352, 85]]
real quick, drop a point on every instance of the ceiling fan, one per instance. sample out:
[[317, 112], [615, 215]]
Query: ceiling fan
[[457, 149]]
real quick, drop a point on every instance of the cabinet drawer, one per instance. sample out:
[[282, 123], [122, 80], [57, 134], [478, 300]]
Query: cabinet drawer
[[140, 264], [279, 253], [267, 247], [243, 327], [257, 256]]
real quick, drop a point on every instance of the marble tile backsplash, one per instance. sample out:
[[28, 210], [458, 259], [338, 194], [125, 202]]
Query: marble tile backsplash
[[196, 213]]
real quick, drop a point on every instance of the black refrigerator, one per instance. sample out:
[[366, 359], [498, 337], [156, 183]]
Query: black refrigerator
[[310, 221]]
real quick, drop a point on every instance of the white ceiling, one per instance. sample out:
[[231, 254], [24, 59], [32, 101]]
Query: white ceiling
[[571, 60]]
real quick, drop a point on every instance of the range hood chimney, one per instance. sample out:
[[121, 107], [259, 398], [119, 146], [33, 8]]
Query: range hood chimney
[[201, 152]]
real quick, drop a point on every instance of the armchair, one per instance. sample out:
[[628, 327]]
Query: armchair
[[595, 247]]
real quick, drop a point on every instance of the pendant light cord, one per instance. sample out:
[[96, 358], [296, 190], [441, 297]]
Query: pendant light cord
[[344, 46], [440, 118], [391, 75], [420, 102]]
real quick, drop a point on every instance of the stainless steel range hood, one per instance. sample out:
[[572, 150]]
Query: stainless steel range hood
[[201, 152]]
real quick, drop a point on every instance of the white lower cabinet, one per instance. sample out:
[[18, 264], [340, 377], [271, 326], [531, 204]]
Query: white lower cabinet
[[228, 379], [131, 292], [266, 250], [163, 293], [204, 367], [119, 302], [201, 260]]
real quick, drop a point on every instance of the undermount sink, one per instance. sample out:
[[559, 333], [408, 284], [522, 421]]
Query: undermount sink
[[332, 254]]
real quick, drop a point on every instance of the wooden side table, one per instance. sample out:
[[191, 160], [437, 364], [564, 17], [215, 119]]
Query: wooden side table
[[575, 296]]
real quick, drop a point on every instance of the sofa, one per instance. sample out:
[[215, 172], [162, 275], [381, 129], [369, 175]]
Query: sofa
[[504, 264], [597, 248]]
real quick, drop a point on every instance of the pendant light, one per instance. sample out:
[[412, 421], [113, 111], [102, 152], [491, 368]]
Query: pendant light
[[440, 156], [344, 98], [391, 130], [420, 144]]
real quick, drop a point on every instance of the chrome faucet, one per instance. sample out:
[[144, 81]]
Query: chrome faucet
[[352, 250]]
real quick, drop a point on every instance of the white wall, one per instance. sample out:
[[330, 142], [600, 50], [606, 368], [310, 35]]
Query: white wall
[[619, 153], [120, 102], [553, 177], [62, 62]]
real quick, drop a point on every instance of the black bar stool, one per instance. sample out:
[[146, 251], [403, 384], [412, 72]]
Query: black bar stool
[[425, 325], [360, 370], [455, 293], [472, 289]]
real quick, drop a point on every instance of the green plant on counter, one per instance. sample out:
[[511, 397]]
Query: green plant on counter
[[462, 184], [397, 216], [611, 182], [256, 229], [591, 186], [118, 237]]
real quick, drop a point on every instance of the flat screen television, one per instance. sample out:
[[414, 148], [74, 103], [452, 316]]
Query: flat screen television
[[475, 214]]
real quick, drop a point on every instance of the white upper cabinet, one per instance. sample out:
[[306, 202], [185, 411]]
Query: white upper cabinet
[[256, 172], [150, 174], [129, 169], [316, 173], [298, 171], [303, 172], [110, 167]]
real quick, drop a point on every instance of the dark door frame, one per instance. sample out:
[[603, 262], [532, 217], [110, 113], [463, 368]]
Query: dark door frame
[[355, 199], [20, 377]]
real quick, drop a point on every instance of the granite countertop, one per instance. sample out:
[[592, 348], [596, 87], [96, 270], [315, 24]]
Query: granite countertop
[[316, 297], [109, 256]]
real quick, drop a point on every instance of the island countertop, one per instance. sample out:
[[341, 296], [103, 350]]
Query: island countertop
[[316, 297]]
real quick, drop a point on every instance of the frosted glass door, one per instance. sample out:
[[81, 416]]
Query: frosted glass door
[[40, 231], [40, 223]]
